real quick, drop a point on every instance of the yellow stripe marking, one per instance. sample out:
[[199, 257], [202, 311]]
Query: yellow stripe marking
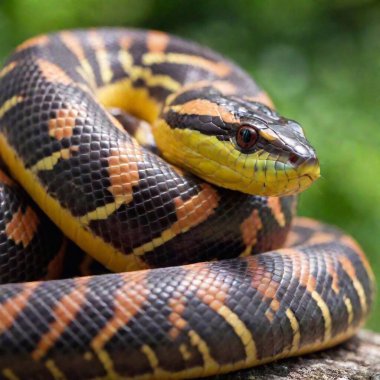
[[350, 310], [351, 272], [107, 362], [125, 308], [104, 65], [164, 81], [325, 313], [306, 279], [101, 55], [240, 329], [350, 242], [74, 45], [112, 258], [126, 60], [102, 212], [296, 330], [126, 305], [219, 68], [361, 293], [9, 104], [145, 73], [186, 354], [7, 69], [9, 374], [156, 242], [151, 356], [85, 71], [210, 364], [54, 370], [152, 80], [48, 163]]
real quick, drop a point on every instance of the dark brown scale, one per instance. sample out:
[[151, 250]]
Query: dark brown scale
[[187, 321], [28, 240]]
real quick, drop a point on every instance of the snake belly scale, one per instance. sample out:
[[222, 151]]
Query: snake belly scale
[[242, 283]]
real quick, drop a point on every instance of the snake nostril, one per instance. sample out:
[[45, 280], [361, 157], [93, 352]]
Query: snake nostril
[[293, 158], [312, 161]]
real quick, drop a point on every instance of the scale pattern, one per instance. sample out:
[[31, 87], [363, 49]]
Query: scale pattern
[[131, 210]]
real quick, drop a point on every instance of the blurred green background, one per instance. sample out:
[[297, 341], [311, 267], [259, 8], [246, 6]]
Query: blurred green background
[[319, 60]]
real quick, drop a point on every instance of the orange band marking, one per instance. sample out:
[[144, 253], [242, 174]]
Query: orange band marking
[[55, 266], [250, 227], [127, 303], [157, 41], [22, 226], [5, 179], [205, 107], [74, 45], [64, 313], [275, 205], [53, 73], [349, 268], [123, 171], [12, 307], [190, 213], [261, 97], [63, 124], [32, 42], [302, 271], [125, 42]]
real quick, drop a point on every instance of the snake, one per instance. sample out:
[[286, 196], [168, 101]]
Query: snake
[[205, 268]]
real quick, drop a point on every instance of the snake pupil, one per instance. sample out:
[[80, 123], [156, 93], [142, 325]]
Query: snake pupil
[[246, 137]]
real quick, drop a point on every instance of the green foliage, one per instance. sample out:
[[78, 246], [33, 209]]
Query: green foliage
[[319, 60]]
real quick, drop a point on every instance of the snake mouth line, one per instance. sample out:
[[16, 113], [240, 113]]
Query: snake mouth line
[[308, 176]]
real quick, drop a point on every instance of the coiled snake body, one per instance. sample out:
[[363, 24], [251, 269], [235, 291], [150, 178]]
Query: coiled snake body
[[213, 312]]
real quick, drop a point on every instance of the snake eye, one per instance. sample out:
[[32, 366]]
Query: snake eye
[[246, 136]]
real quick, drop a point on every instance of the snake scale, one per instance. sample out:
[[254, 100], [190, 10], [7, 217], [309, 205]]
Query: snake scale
[[241, 282]]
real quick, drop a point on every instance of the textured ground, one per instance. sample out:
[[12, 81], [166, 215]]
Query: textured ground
[[358, 359]]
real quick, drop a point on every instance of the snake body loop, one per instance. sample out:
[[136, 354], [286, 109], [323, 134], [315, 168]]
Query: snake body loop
[[213, 308]]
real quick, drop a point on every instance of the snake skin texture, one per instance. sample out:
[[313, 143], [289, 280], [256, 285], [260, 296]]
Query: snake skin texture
[[212, 307], [30, 245]]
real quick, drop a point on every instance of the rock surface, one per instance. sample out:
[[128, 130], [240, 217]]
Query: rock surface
[[357, 359]]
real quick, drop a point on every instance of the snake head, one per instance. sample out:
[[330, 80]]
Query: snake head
[[236, 143]]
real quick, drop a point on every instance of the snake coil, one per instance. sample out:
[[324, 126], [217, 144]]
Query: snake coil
[[207, 311]]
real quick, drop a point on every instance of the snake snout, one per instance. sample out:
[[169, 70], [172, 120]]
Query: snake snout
[[309, 167]]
